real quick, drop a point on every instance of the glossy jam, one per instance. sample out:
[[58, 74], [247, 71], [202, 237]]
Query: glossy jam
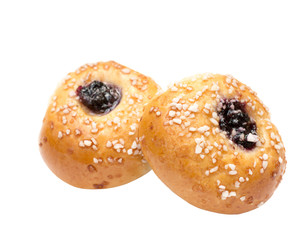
[[99, 97], [236, 122]]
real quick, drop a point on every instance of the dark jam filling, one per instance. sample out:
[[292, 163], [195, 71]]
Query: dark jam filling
[[99, 97], [237, 124]]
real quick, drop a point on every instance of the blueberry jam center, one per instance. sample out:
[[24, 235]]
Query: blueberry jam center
[[237, 124], [99, 97]]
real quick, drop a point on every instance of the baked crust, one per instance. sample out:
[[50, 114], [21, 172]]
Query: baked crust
[[200, 164], [96, 151]]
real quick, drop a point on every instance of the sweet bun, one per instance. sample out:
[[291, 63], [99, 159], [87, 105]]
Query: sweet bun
[[211, 141], [89, 134]]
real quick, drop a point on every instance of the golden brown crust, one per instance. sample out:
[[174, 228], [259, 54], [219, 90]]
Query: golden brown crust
[[93, 151], [197, 161]]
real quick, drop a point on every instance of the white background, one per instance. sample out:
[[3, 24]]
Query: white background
[[261, 43]]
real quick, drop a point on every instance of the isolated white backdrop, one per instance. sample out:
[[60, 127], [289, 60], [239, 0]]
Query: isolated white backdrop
[[261, 43]]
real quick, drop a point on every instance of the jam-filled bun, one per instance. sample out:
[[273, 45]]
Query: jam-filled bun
[[211, 141], [89, 134]]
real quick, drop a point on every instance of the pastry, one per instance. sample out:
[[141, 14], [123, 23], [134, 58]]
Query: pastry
[[210, 139], [89, 134]]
